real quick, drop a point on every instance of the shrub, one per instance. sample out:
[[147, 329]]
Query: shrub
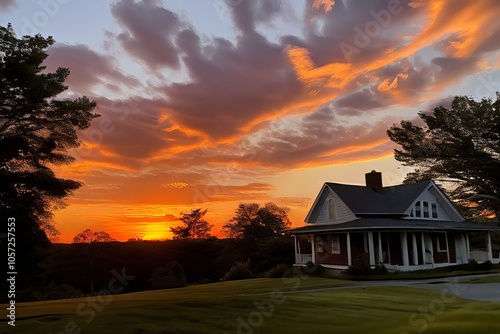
[[485, 266], [49, 291], [239, 270], [277, 272], [168, 276], [380, 269], [359, 269], [204, 280], [472, 265], [312, 269]]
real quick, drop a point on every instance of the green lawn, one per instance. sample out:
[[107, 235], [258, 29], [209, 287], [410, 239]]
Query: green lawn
[[223, 307]]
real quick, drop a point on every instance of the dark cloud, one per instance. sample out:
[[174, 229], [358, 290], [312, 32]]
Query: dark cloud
[[231, 85], [149, 30], [88, 68], [6, 5], [246, 101]]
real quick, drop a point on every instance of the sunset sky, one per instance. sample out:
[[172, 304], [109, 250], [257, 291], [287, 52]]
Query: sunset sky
[[209, 103]]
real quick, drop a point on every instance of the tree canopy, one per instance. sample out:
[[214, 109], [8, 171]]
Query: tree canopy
[[459, 148], [194, 225], [89, 236], [251, 221], [36, 130]]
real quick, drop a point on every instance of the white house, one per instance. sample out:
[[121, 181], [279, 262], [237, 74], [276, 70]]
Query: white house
[[405, 227]]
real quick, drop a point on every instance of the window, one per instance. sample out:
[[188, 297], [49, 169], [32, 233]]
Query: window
[[331, 209], [319, 244], [441, 242], [335, 244], [424, 209], [425, 206], [434, 210], [418, 212]]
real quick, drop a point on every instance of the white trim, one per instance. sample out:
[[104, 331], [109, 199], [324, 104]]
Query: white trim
[[309, 214], [404, 249], [313, 246], [467, 245], [380, 252], [452, 207], [415, 248], [439, 247], [295, 244], [371, 249], [488, 244], [448, 247], [336, 237], [349, 260]]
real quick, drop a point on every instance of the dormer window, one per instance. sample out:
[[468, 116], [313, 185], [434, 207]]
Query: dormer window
[[418, 210], [425, 209], [434, 210]]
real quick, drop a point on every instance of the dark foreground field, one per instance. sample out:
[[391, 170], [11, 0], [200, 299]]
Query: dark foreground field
[[292, 305]]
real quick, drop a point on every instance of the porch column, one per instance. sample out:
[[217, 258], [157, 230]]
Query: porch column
[[490, 251], [295, 246], [313, 246], [380, 254], [404, 249], [349, 261], [467, 245], [423, 248], [415, 249], [371, 249], [447, 246]]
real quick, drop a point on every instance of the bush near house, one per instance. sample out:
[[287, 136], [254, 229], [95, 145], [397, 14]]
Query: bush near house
[[240, 270]]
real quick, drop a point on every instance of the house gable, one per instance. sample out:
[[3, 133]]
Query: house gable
[[328, 208], [431, 204]]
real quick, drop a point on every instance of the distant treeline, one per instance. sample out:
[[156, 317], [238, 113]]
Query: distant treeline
[[80, 268]]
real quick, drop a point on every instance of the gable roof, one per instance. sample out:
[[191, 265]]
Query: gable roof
[[390, 200]]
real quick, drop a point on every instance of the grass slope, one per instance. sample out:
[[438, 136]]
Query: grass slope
[[287, 306]]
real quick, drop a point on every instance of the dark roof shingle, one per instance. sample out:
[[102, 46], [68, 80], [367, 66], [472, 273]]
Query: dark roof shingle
[[391, 200]]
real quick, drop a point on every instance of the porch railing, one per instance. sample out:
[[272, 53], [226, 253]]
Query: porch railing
[[302, 258], [479, 255]]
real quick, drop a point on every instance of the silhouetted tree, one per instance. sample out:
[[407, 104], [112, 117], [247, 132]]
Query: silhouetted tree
[[459, 148], [36, 130], [88, 236], [253, 221], [195, 226]]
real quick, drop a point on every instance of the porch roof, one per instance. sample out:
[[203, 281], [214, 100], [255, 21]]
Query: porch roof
[[387, 223]]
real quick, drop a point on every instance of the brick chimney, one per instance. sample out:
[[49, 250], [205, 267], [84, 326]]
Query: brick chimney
[[374, 180]]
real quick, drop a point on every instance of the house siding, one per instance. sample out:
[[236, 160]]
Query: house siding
[[439, 257], [342, 211], [453, 249], [326, 256], [433, 197]]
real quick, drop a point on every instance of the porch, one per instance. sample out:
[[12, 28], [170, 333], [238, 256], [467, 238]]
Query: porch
[[396, 250]]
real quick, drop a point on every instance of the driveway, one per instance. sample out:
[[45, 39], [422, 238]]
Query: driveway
[[477, 291]]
